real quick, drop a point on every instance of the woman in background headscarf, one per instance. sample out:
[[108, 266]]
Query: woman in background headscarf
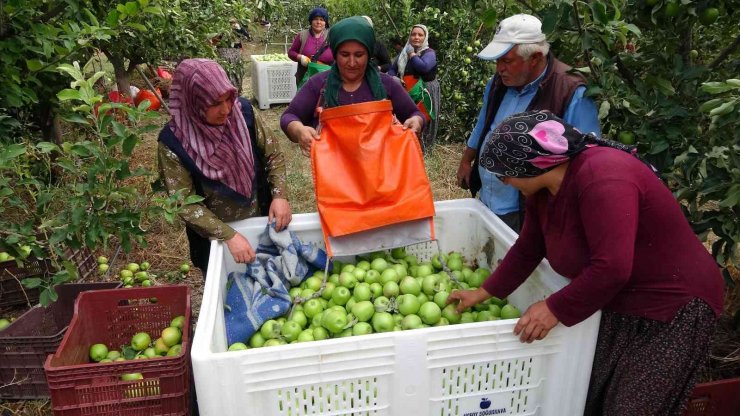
[[350, 81], [606, 221], [418, 61], [215, 147], [312, 44]]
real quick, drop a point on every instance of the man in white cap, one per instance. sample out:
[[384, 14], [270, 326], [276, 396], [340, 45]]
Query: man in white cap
[[528, 77]]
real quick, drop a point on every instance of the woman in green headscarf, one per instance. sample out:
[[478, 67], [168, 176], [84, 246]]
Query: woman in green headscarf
[[350, 81]]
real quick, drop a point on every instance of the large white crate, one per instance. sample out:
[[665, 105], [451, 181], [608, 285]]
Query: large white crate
[[273, 82], [468, 369]]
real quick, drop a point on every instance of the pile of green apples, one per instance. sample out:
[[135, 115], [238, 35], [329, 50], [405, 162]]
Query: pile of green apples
[[382, 292]]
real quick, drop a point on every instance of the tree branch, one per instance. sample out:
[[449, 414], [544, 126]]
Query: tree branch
[[585, 51], [54, 12], [725, 53]]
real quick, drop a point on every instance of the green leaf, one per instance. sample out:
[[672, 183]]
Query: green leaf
[[66, 164], [75, 118], [68, 94], [632, 28], [132, 7], [128, 144], [119, 129], [12, 152], [664, 86], [156, 10], [489, 17], [604, 109], [733, 197], [711, 104], [47, 147], [138, 26], [128, 352], [112, 18], [723, 109], [599, 12], [716, 87], [193, 199], [34, 65], [658, 146], [32, 282]]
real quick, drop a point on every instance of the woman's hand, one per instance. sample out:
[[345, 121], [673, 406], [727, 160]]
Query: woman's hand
[[303, 135], [414, 123], [240, 249], [536, 322], [467, 298], [280, 213], [304, 60]]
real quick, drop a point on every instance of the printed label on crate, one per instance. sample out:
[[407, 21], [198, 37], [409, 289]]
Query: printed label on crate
[[482, 406]]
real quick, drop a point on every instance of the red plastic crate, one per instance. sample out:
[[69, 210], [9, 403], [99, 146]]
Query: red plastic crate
[[716, 398], [37, 333], [83, 258], [12, 293], [112, 317]]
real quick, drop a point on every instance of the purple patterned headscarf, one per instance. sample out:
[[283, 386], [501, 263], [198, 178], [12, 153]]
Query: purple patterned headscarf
[[529, 144], [222, 153]]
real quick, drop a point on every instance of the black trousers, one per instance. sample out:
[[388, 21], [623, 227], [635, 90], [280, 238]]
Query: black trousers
[[200, 250]]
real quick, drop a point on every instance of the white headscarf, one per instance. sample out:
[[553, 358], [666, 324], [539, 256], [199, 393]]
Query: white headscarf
[[403, 57]]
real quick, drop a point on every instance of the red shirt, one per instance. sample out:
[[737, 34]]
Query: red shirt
[[618, 233]]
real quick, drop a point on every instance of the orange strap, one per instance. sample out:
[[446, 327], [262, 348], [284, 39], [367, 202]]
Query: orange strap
[[368, 171]]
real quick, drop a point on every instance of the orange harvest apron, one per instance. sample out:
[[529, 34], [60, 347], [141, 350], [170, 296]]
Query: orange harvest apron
[[371, 187]]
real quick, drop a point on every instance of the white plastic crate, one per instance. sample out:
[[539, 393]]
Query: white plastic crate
[[468, 369], [273, 82]]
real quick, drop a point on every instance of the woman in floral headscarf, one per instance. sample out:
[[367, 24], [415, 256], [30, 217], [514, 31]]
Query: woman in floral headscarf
[[605, 220], [215, 147], [418, 61]]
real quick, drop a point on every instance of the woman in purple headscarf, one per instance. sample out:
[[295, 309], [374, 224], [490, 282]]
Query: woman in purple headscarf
[[606, 221], [215, 147]]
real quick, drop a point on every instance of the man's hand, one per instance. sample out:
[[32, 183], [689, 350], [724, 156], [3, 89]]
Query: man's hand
[[467, 298], [465, 168], [303, 135], [463, 175], [414, 123], [536, 322], [240, 249], [280, 213]]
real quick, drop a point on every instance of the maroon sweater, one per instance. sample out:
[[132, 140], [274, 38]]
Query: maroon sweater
[[617, 232]]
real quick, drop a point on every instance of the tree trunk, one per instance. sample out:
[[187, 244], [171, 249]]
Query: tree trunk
[[123, 77]]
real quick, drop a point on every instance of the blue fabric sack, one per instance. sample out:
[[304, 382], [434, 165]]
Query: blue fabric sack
[[282, 261]]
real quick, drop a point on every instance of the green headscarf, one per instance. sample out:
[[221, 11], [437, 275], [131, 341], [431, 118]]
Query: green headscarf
[[358, 29]]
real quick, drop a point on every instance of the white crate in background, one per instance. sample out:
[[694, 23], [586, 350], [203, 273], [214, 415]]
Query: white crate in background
[[475, 369], [273, 82]]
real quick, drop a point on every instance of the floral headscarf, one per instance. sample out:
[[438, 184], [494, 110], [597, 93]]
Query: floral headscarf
[[221, 153], [529, 144], [403, 57]]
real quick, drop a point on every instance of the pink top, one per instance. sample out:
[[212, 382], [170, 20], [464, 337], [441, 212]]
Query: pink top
[[618, 233], [312, 46]]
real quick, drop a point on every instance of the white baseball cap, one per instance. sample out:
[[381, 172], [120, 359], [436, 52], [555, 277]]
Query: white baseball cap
[[512, 31]]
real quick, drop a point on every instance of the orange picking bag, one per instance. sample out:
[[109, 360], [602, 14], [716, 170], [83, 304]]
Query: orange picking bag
[[371, 187]]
